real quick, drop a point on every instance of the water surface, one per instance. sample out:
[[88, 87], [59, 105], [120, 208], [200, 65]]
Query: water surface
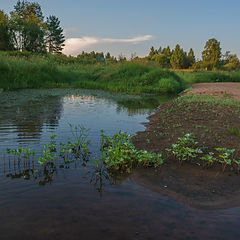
[[74, 203]]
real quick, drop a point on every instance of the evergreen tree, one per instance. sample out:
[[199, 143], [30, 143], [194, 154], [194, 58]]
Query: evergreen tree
[[212, 54], [167, 51], [152, 52], [190, 59], [108, 55], [55, 38], [177, 58], [160, 50]]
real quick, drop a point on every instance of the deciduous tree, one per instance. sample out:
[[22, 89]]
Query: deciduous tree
[[212, 54], [5, 40]]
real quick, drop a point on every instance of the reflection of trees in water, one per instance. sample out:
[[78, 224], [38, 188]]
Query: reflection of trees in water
[[141, 105], [46, 174], [100, 180], [28, 117], [132, 112], [29, 170]]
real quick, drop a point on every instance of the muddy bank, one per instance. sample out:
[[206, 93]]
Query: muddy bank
[[221, 89], [192, 186], [209, 119]]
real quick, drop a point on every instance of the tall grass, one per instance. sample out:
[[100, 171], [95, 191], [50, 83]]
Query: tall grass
[[44, 72], [209, 77]]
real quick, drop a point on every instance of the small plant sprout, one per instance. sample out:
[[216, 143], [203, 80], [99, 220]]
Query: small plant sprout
[[185, 148], [225, 156], [209, 158]]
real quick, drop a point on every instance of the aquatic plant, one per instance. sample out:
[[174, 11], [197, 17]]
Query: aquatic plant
[[81, 141], [118, 154]]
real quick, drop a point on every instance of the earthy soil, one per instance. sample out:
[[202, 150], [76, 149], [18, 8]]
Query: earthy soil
[[223, 89], [193, 183]]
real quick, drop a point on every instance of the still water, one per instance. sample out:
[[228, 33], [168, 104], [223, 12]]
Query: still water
[[74, 203]]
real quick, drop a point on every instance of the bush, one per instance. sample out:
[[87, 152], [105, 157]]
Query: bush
[[169, 85]]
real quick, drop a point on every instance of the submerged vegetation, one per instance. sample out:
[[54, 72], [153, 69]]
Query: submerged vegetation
[[117, 155]]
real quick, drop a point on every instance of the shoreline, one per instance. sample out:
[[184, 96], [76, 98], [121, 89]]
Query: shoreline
[[193, 185]]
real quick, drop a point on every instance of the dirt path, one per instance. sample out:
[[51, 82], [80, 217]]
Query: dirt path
[[223, 89]]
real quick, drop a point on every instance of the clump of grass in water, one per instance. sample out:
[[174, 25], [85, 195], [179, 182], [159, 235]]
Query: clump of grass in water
[[70, 151], [80, 134]]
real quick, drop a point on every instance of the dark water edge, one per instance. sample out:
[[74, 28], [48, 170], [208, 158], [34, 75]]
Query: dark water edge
[[77, 204]]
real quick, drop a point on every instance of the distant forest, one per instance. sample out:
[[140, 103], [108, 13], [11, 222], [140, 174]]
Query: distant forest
[[26, 31]]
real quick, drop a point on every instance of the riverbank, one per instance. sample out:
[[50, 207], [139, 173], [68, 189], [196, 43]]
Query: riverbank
[[214, 122], [127, 77], [24, 71]]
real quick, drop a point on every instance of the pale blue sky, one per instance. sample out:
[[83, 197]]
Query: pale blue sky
[[113, 25]]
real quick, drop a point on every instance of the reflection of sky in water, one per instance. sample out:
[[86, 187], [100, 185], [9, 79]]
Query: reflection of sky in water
[[71, 206], [29, 117]]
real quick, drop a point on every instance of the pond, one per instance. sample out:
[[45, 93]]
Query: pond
[[73, 202]]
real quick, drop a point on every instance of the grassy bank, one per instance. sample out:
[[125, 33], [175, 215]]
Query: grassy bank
[[208, 77], [25, 70], [45, 72]]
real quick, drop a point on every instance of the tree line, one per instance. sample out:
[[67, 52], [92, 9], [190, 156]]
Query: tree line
[[212, 57], [27, 30]]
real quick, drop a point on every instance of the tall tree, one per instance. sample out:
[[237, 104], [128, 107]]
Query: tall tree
[[152, 52], [190, 58], [160, 50], [5, 40], [162, 60], [55, 38], [28, 27], [167, 51], [177, 58], [231, 61], [108, 55], [212, 54]]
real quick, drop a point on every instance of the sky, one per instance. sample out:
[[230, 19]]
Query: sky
[[131, 27]]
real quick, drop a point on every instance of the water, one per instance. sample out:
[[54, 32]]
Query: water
[[74, 203]]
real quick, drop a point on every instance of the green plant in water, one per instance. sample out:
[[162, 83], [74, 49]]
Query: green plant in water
[[27, 153], [80, 134], [52, 146], [120, 155], [65, 152]]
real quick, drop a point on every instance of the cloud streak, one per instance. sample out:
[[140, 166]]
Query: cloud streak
[[74, 46]]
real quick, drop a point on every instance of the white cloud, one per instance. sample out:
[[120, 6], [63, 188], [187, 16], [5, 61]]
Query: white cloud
[[74, 46]]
